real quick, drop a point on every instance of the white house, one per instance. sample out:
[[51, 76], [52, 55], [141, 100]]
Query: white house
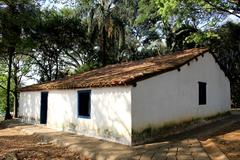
[[116, 101]]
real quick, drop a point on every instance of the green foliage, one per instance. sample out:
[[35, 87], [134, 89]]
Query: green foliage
[[171, 17], [15, 18], [147, 11], [60, 44], [106, 21], [54, 43], [2, 95], [227, 51], [200, 38], [194, 10], [3, 88], [85, 67]]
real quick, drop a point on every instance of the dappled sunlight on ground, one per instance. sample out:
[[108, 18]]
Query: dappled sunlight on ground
[[228, 140], [16, 145], [220, 139]]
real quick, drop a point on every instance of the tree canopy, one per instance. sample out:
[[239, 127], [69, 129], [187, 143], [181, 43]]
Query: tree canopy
[[42, 43]]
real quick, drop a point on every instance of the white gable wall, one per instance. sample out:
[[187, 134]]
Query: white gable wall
[[110, 112], [173, 96]]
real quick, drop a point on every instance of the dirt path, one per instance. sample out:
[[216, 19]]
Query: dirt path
[[224, 134], [228, 141], [14, 145]]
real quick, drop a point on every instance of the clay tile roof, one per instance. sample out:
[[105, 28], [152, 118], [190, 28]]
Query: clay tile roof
[[126, 73]]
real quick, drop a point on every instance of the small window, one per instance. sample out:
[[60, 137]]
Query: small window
[[84, 106], [202, 93]]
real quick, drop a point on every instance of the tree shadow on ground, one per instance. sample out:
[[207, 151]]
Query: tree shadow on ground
[[29, 147], [12, 123], [224, 133], [228, 141], [217, 131], [207, 131]]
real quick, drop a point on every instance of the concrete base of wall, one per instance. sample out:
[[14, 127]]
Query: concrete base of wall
[[149, 135], [29, 120]]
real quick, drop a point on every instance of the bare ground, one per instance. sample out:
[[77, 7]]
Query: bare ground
[[228, 141], [15, 145]]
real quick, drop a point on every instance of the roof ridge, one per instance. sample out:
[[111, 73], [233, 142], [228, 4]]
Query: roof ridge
[[122, 73]]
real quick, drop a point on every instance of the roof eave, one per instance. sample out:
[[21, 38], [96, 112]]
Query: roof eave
[[150, 75]]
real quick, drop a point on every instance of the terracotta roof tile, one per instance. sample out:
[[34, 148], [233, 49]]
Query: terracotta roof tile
[[122, 74]]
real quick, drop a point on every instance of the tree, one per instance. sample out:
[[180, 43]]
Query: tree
[[11, 35], [230, 6], [22, 65], [184, 23], [201, 15], [155, 27], [181, 9], [15, 17], [60, 45], [106, 26], [3, 85], [227, 51]]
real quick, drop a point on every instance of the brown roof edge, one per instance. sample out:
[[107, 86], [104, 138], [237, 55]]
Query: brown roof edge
[[220, 65], [123, 74], [133, 82]]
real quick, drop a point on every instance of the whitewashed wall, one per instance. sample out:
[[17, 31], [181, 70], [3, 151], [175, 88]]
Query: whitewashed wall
[[110, 112], [173, 96], [29, 106]]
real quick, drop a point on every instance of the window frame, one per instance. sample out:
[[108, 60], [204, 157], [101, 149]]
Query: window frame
[[201, 83], [89, 104]]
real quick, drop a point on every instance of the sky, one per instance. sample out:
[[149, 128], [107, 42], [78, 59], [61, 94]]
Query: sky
[[48, 4], [232, 18]]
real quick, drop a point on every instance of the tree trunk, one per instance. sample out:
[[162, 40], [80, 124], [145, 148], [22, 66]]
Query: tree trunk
[[11, 51], [103, 47], [57, 68], [15, 92], [16, 104]]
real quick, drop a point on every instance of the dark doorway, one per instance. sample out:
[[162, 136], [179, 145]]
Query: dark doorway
[[44, 108], [202, 93]]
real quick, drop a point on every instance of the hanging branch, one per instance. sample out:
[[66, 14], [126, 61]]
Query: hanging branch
[[221, 9]]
